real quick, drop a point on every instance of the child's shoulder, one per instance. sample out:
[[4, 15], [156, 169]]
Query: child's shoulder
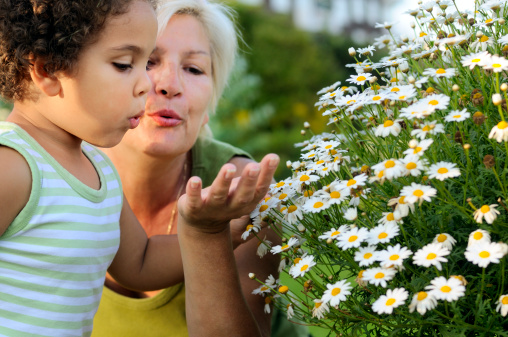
[[16, 184]]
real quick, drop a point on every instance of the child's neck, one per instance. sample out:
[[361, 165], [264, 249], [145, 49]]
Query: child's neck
[[64, 147]]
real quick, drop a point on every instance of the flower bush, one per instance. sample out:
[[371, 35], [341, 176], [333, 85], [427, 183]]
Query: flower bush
[[394, 221]]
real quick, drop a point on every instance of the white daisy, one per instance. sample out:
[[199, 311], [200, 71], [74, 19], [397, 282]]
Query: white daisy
[[282, 248], [263, 247], [292, 213], [482, 254], [393, 298], [353, 183], [379, 276], [420, 147], [418, 193], [431, 255], [306, 178], [499, 132], [432, 128], [477, 59], [389, 218], [382, 234], [392, 168], [437, 101], [316, 204], [487, 212], [446, 289], [414, 165], [336, 197], [393, 256], [417, 110], [290, 311], [302, 267], [320, 309], [365, 256], [333, 233], [264, 207], [478, 236], [402, 207], [336, 293], [389, 127], [422, 302], [359, 79], [446, 240], [457, 116], [496, 63], [251, 228], [438, 73], [352, 238], [351, 214], [329, 88], [443, 170], [502, 305]]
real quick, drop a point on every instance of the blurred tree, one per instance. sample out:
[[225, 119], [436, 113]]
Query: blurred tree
[[274, 87]]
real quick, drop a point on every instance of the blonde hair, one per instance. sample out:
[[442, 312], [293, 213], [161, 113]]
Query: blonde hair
[[218, 23]]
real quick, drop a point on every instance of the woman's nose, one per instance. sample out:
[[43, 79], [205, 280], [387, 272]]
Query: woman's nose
[[168, 81]]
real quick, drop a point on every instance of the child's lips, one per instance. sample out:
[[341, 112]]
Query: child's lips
[[134, 121]]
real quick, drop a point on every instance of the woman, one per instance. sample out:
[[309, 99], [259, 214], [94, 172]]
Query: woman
[[194, 53]]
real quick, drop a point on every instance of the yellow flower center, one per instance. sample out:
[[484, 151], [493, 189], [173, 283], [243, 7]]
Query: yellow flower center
[[280, 184], [328, 147], [335, 233], [422, 34], [353, 238], [475, 60], [426, 128], [376, 98], [284, 247], [390, 217], [308, 193], [351, 182], [304, 267], [317, 305], [457, 116], [263, 208], [485, 209], [441, 238], [431, 256], [335, 291], [411, 166], [283, 209], [379, 275], [502, 125], [484, 254], [304, 177], [388, 124], [496, 65], [284, 289], [446, 289], [292, 208], [488, 21], [360, 274], [298, 259], [394, 257], [390, 301], [418, 193], [282, 196], [382, 235], [381, 174], [264, 288], [361, 78], [402, 200], [351, 101], [505, 300], [402, 97], [389, 164], [395, 89], [318, 204], [335, 195], [478, 235], [421, 296], [367, 256], [249, 227], [417, 149], [311, 155], [320, 161], [484, 38], [434, 102], [442, 170]]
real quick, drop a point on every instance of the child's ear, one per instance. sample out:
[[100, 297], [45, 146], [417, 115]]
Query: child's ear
[[47, 83]]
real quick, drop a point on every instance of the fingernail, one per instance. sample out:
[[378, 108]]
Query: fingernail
[[254, 171], [230, 173], [194, 183], [274, 161]]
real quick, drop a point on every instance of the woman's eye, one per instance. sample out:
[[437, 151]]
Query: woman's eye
[[195, 71], [149, 64], [122, 66]]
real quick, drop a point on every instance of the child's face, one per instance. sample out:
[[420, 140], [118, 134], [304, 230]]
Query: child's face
[[106, 94]]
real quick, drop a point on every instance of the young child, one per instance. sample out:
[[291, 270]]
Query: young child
[[75, 71]]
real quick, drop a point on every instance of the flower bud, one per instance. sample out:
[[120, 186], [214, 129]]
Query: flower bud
[[351, 51], [504, 87], [497, 99], [252, 276], [288, 164], [306, 125], [329, 241], [413, 143], [466, 146], [302, 132], [479, 34], [373, 80], [489, 161], [502, 21], [455, 87], [411, 80], [478, 118]]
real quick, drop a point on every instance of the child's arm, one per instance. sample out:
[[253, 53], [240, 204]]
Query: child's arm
[[15, 185]]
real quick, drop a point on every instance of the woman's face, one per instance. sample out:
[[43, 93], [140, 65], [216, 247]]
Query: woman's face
[[181, 72]]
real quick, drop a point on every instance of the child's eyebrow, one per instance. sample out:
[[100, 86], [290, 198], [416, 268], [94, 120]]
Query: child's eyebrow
[[129, 47]]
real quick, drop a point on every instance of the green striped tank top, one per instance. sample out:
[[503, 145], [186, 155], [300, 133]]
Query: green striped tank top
[[54, 255]]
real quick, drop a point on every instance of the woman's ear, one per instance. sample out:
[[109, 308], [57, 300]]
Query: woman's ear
[[49, 84], [206, 118]]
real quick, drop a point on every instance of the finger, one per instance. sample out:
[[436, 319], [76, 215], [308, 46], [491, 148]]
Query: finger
[[191, 201], [219, 190], [268, 166], [246, 188]]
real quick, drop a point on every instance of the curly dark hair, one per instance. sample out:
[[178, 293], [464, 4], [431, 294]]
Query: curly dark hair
[[54, 30]]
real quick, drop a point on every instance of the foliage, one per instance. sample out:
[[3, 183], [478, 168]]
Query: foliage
[[394, 222]]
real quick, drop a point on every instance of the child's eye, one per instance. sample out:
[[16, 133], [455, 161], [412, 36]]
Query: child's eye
[[122, 66]]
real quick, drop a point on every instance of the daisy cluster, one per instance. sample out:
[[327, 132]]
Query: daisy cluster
[[400, 208]]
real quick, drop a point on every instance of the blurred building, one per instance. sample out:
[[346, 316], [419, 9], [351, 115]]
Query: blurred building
[[355, 18]]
